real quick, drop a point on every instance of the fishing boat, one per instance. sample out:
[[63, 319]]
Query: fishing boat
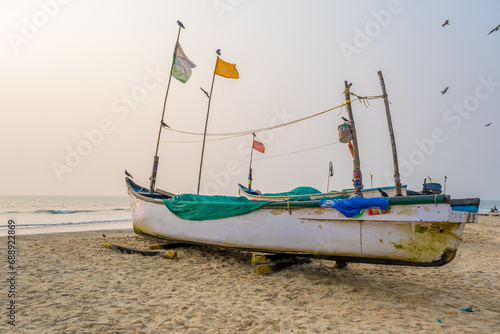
[[400, 230], [413, 230]]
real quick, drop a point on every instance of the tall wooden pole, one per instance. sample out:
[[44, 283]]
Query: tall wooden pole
[[205, 132], [397, 179], [250, 167], [156, 157], [357, 177]]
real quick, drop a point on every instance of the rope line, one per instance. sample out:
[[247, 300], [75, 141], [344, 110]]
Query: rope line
[[241, 133], [199, 141], [229, 135], [366, 99], [307, 149]]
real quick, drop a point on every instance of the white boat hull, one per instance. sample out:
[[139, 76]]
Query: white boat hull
[[423, 234]]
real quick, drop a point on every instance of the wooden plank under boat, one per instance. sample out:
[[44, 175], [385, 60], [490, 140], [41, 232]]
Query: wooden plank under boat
[[416, 230]]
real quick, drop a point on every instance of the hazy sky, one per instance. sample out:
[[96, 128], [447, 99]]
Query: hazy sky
[[82, 86]]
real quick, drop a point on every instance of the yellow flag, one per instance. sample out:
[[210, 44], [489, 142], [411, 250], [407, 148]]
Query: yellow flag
[[226, 70]]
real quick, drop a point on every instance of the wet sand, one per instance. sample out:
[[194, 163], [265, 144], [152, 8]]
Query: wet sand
[[68, 283]]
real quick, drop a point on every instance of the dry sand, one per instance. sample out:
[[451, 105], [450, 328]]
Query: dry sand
[[68, 283]]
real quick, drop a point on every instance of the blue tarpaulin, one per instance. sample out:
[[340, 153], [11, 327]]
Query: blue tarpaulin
[[353, 206]]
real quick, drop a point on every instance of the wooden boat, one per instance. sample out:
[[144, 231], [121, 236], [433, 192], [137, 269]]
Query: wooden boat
[[415, 230], [367, 193]]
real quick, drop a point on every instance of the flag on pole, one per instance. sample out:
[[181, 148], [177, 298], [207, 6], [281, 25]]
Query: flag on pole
[[182, 65], [226, 70], [259, 146]]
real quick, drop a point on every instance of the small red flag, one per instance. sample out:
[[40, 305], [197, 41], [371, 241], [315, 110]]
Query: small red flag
[[351, 148], [259, 146]]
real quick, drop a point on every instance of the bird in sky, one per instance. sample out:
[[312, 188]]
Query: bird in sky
[[496, 29], [488, 124], [128, 174], [383, 193], [446, 23], [164, 124], [180, 24], [345, 119], [206, 93], [444, 91], [217, 51]]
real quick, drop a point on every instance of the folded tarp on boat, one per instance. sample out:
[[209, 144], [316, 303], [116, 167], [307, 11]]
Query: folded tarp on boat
[[353, 206], [295, 192], [200, 207]]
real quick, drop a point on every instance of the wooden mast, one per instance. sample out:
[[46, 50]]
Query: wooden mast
[[357, 177], [397, 179], [205, 132], [156, 157], [250, 167]]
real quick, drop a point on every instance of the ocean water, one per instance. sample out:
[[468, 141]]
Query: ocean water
[[49, 214], [486, 205]]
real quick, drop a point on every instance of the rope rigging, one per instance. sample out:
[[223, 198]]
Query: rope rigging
[[229, 135], [307, 149]]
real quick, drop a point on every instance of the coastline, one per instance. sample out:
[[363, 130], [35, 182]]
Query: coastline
[[66, 282], [69, 228]]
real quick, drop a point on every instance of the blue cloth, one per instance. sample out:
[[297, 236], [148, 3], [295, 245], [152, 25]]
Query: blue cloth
[[465, 208], [352, 206]]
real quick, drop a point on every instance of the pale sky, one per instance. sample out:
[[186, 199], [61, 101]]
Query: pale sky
[[83, 82]]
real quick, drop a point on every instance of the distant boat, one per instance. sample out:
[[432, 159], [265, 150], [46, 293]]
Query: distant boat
[[414, 230]]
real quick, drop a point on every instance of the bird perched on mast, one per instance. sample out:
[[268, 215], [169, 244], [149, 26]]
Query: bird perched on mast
[[180, 24], [128, 174], [217, 51], [164, 124], [446, 23], [345, 119]]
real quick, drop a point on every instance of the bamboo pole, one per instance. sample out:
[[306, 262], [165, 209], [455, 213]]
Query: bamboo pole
[[397, 179], [156, 158], [357, 177], [168, 254], [205, 132], [250, 167]]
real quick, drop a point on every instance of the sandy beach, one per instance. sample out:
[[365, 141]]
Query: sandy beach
[[69, 283]]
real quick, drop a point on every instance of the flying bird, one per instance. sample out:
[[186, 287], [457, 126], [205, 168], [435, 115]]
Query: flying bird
[[180, 24], [164, 124], [488, 124], [206, 93], [345, 119], [128, 174], [383, 193], [446, 23], [496, 29], [444, 91]]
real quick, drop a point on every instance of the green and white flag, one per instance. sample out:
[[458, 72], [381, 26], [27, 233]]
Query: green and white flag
[[181, 67]]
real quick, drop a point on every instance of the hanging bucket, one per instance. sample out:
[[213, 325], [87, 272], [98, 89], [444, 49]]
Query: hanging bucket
[[345, 135]]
